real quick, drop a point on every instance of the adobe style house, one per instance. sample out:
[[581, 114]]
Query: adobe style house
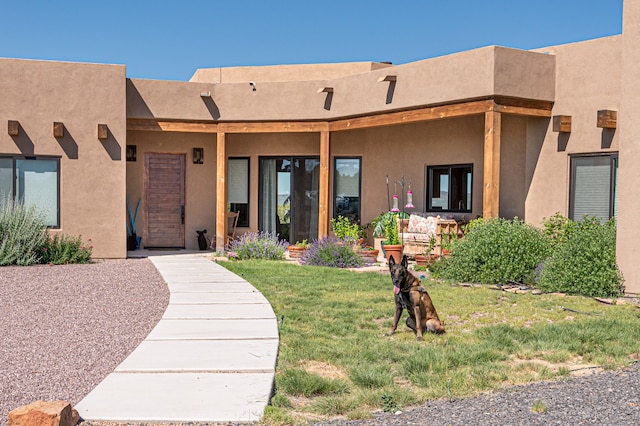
[[493, 131]]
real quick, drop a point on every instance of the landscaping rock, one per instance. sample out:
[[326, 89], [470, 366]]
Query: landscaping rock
[[44, 413]]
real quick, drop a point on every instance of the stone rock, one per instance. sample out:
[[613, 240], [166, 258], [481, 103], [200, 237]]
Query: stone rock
[[44, 413]]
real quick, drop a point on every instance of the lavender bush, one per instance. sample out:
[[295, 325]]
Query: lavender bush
[[258, 245], [331, 252]]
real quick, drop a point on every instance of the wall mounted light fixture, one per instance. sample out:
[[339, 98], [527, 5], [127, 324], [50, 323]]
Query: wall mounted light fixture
[[325, 90], [13, 127], [253, 85], [198, 155], [206, 94], [131, 153]]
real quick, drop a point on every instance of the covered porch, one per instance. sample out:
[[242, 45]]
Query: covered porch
[[491, 109]]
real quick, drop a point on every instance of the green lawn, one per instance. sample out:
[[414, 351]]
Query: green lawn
[[335, 359]]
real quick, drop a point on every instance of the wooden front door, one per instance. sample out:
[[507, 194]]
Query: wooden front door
[[164, 199]]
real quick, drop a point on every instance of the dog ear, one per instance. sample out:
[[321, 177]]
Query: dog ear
[[392, 261], [405, 261]]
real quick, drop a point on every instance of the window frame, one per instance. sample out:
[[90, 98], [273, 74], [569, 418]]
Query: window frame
[[613, 160], [247, 222], [335, 183], [428, 179], [14, 161]]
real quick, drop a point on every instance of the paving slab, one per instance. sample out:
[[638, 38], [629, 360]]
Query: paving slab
[[220, 311], [214, 329], [212, 356], [193, 298], [212, 287], [178, 397]]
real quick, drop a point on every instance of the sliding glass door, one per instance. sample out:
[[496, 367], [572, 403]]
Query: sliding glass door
[[289, 197]]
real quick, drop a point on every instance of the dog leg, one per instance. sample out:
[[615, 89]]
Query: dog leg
[[396, 318], [411, 323], [418, 323]]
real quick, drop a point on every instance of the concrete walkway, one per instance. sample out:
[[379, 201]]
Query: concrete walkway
[[211, 358]]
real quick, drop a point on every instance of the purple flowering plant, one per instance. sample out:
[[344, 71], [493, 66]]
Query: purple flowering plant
[[332, 252], [258, 245]]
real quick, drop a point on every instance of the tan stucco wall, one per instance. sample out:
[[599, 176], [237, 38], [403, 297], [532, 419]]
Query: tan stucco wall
[[406, 150], [92, 172], [200, 179], [629, 178], [468, 75], [588, 80], [271, 73]]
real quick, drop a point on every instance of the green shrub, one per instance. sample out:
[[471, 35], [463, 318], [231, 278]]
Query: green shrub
[[62, 249], [558, 229], [497, 251], [22, 231], [585, 263], [258, 245]]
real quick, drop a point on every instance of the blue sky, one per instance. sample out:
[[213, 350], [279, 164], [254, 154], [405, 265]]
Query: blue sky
[[170, 40]]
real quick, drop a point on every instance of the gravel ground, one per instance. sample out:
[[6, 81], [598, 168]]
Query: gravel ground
[[65, 328], [611, 398]]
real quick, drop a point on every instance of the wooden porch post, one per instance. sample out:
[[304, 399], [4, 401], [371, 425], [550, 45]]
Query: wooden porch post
[[221, 191], [491, 188], [324, 202]]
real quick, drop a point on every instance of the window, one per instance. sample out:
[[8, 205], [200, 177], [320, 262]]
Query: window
[[449, 188], [594, 186], [346, 188], [33, 181], [238, 175]]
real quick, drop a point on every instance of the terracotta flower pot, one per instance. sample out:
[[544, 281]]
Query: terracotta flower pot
[[425, 259], [393, 250], [296, 252], [369, 255]]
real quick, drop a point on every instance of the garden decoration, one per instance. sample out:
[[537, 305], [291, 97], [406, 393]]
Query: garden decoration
[[395, 210], [132, 241]]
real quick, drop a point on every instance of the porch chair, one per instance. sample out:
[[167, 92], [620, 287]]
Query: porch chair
[[232, 222]]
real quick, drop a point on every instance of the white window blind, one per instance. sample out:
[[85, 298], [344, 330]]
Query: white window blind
[[592, 187], [238, 175]]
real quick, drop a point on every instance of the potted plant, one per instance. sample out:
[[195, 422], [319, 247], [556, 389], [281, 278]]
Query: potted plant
[[447, 244], [344, 230], [379, 224], [297, 250], [392, 245], [369, 254]]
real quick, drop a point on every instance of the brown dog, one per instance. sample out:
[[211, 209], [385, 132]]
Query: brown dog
[[412, 296]]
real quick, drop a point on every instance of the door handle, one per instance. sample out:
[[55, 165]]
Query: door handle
[[182, 214]]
